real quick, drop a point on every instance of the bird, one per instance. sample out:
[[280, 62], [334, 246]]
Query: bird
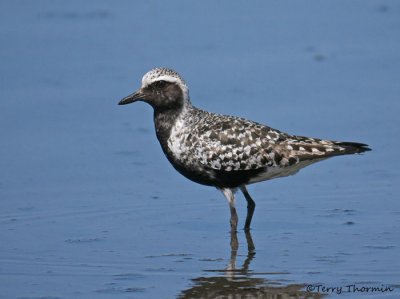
[[222, 151]]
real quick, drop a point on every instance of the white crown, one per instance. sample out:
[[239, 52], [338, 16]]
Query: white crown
[[168, 75]]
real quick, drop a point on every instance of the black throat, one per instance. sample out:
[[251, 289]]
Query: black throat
[[164, 120]]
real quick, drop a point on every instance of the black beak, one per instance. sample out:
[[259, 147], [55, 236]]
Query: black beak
[[131, 98]]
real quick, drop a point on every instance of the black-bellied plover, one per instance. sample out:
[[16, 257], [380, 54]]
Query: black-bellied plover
[[223, 151]]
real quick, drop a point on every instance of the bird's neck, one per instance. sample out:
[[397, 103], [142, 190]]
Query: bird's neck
[[165, 119]]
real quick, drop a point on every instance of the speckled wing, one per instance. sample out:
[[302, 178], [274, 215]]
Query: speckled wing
[[227, 143], [232, 144]]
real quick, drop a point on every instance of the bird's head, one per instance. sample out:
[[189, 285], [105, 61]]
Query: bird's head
[[162, 88]]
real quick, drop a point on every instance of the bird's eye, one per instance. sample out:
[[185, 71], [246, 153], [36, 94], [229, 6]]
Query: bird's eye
[[161, 83]]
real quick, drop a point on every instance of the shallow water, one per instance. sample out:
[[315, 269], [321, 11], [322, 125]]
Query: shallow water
[[90, 207]]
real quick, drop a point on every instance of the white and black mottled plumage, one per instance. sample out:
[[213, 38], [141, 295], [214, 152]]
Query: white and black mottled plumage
[[225, 151]]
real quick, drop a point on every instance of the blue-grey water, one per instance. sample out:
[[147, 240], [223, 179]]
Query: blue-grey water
[[90, 207]]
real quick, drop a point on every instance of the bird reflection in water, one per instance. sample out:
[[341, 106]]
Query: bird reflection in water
[[239, 283]]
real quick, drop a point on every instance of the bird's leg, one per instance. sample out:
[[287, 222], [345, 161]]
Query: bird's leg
[[231, 200], [251, 205], [234, 219]]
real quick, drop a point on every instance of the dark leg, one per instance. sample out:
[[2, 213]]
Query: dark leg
[[251, 205]]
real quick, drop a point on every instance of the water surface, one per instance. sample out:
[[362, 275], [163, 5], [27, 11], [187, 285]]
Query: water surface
[[90, 207]]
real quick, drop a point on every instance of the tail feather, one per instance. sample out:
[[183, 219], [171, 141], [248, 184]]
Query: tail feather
[[353, 147], [306, 148]]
